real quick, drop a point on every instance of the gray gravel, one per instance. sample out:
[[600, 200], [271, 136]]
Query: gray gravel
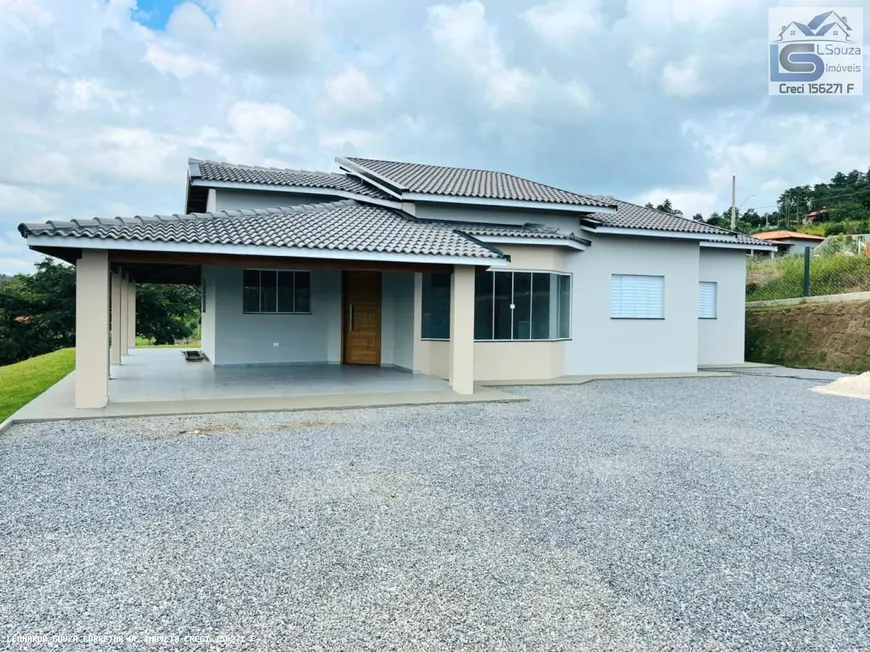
[[692, 514]]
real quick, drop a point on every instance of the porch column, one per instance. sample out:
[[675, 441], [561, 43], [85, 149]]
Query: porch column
[[92, 329], [131, 315], [116, 318], [462, 329], [123, 306]]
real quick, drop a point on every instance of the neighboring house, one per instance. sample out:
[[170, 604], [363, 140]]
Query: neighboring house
[[790, 242], [465, 275]]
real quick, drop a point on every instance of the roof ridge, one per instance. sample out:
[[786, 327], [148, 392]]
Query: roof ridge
[[244, 166], [358, 160]]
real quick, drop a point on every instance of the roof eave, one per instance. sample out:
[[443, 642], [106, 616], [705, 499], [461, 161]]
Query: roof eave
[[673, 235], [79, 242], [506, 203]]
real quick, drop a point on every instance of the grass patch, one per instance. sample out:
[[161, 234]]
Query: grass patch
[[783, 278], [143, 343], [22, 382]]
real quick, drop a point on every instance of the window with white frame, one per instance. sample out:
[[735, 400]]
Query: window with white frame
[[267, 291], [707, 299], [637, 297]]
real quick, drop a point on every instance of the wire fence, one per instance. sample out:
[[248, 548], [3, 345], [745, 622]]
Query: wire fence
[[795, 276]]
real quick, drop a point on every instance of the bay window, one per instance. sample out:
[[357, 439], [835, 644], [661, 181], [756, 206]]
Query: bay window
[[508, 306]]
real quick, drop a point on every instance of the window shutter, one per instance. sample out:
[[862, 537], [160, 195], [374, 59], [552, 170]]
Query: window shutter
[[707, 300], [637, 297]]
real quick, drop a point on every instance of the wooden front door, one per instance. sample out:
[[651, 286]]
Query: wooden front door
[[362, 318]]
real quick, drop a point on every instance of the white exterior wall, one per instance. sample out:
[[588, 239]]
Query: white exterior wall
[[242, 339], [565, 222], [721, 340], [798, 247], [230, 337], [397, 321], [601, 345], [229, 200]]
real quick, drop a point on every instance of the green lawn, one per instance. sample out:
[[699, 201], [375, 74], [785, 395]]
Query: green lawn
[[142, 343], [23, 381]]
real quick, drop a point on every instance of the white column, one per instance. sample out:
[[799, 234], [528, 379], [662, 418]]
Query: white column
[[131, 315], [92, 329], [462, 330], [116, 319]]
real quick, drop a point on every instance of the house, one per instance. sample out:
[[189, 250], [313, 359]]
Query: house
[[790, 242], [458, 274]]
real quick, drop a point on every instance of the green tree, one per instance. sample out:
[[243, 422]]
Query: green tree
[[166, 313], [37, 311]]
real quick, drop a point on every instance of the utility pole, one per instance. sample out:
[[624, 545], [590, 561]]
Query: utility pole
[[734, 203]]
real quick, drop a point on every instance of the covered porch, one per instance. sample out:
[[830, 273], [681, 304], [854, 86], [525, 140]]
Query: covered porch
[[344, 341], [165, 375]]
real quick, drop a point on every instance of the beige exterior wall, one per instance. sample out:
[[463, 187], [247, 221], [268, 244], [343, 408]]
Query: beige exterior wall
[[462, 330], [518, 360], [116, 308], [92, 329], [131, 319], [537, 258], [495, 361]]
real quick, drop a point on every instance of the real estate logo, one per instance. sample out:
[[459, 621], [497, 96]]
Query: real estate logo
[[816, 51]]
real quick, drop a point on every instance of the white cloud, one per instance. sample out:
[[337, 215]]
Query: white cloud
[[259, 122], [683, 78], [560, 23], [581, 95], [175, 61], [472, 45], [642, 58], [17, 199], [688, 201], [350, 91], [272, 36]]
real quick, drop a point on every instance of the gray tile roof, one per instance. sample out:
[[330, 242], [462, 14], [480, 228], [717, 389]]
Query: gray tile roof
[[249, 174], [463, 182], [337, 226], [531, 231], [632, 216]]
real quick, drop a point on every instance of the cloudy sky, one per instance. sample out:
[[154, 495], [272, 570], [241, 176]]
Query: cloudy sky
[[104, 100]]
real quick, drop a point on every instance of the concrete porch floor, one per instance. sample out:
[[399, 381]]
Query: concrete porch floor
[[148, 375], [153, 382]]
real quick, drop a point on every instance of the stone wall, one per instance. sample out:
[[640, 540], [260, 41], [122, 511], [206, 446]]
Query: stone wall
[[834, 336]]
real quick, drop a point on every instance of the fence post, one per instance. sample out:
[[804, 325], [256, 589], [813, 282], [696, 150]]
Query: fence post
[[807, 272]]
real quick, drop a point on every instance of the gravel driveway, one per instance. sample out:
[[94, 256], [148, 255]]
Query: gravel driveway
[[694, 514]]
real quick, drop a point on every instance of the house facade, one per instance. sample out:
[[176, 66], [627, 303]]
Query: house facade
[[790, 243], [466, 275]]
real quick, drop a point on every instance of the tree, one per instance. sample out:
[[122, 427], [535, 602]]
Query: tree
[[37, 312], [166, 313], [698, 217]]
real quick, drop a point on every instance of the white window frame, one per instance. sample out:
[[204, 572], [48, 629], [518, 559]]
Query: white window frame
[[623, 311], [715, 286], [264, 269]]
